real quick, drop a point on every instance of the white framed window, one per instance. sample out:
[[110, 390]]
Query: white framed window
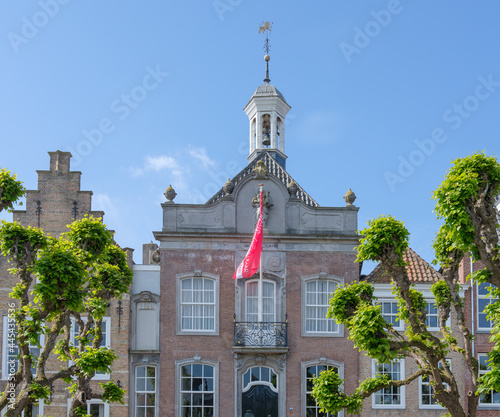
[[391, 397], [316, 292], [197, 303], [313, 371], [484, 300], [33, 410], [10, 349], [432, 316], [492, 397], [105, 342], [426, 391], [145, 391], [95, 408], [317, 303], [309, 371], [390, 311], [252, 301], [197, 388]]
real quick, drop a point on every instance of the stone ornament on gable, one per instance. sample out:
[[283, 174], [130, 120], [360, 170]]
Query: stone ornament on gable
[[349, 197], [260, 169], [170, 194], [267, 204], [292, 188], [228, 187]]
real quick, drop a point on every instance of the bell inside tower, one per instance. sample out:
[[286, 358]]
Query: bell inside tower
[[266, 130]]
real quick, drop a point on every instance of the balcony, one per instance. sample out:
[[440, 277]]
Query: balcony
[[259, 336]]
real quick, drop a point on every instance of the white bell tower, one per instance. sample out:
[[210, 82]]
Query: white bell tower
[[266, 111]]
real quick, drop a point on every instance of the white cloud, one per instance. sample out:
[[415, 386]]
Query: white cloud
[[159, 163], [154, 164], [201, 155]]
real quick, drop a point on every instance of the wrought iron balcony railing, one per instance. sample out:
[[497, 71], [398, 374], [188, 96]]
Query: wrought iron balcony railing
[[261, 334]]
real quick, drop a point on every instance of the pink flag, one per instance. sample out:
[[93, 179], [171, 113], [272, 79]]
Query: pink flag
[[250, 264]]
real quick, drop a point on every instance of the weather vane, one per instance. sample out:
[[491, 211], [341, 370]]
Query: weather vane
[[265, 27]]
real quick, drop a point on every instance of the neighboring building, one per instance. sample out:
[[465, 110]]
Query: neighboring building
[[415, 398], [56, 203], [476, 299], [199, 336]]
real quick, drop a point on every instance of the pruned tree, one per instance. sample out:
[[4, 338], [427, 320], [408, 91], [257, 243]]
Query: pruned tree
[[11, 190], [465, 201], [62, 281]]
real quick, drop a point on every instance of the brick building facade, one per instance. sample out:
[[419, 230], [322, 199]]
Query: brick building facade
[[57, 202], [192, 341]]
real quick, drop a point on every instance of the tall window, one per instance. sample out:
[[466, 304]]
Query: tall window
[[483, 300], [268, 301], [391, 397], [492, 397], [145, 391], [312, 409], [95, 408], [432, 316], [389, 310], [10, 349], [197, 390], [427, 399], [105, 342], [198, 304], [318, 293]]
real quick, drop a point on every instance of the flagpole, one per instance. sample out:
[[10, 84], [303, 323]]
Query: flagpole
[[260, 301]]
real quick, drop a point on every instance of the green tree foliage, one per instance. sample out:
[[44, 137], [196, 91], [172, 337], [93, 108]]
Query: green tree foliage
[[11, 190], [465, 201], [62, 281]]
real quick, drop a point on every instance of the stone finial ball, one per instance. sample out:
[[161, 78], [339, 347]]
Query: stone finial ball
[[267, 58]]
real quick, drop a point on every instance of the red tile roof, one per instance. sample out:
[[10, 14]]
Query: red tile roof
[[419, 271]]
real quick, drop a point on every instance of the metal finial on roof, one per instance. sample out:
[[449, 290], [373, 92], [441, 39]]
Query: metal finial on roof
[[266, 27]]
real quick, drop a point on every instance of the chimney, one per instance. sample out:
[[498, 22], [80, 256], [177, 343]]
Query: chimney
[[59, 161]]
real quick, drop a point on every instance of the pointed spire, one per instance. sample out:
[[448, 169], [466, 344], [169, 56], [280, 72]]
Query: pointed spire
[[267, 79], [266, 28]]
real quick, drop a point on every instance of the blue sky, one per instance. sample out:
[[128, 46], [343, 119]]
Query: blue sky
[[384, 95]]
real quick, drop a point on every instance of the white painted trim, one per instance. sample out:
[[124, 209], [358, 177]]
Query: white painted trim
[[318, 277], [106, 406], [178, 304], [107, 343], [303, 379], [402, 390]]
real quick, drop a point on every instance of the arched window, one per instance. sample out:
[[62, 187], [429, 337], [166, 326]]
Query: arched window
[[260, 375], [196, 387], [252, 301], [197, 303], [311, 370], [316, 293]]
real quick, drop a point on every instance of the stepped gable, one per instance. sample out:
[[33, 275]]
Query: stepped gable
[[419, 271], [273, 168]]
